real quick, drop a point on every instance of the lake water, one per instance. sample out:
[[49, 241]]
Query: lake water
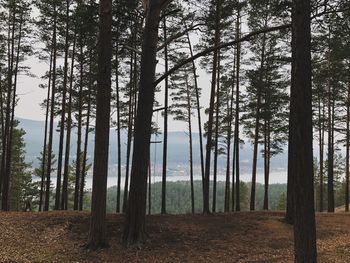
[[276, 177]]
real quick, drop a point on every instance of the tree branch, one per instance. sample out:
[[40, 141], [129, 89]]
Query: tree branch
[[177, 35], [224, 45]]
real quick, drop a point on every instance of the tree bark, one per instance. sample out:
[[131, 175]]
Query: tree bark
[[301, 112], [134, 231], [97, 233]]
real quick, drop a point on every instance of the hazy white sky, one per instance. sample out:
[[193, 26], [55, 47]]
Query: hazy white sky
[[31, 95]]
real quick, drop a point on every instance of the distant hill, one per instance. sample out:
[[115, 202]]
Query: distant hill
[[177, 145]]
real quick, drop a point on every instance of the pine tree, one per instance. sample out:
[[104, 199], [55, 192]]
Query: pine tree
[[301, 134], [24, 192], [97, 233]]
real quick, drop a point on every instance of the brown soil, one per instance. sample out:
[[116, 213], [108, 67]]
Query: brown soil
[[238, 237]]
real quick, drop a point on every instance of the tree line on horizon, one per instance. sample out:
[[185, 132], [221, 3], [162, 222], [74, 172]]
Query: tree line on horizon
[[284, 82]]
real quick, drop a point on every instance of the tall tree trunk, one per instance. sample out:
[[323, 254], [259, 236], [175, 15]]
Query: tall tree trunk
[[216, 150], [236, 140], [80, 117], [321, 149], [86, 138], [301, 112], [228, 139], [63, 111], [130, 126], [198, 110], [134, 231], [97, 233], [257, 122], [64, 200], [52, 111], [206, 208], [165, 135], [44, 160], [119, 144], [10, 54], [189, 113], [7, 178], [330, 144], [267, 151]]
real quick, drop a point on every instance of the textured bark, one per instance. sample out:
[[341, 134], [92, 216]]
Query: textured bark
[[97, 233], [301, 110], [134, 231]]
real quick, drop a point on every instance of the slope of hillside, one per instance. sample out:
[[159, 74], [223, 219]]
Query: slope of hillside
[[238, 237]]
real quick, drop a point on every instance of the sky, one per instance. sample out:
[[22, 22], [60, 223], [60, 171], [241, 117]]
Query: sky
[[31, 95]]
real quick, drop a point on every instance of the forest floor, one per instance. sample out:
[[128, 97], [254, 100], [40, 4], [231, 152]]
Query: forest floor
[[236, 237]]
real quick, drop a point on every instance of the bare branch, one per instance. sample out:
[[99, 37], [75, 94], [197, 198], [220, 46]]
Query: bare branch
[[178, 35], [224, 45]]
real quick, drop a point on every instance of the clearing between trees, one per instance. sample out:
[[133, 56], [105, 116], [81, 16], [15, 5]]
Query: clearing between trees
[[235, 237]]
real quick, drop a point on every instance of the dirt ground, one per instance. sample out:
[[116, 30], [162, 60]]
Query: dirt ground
[[237, 237]]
